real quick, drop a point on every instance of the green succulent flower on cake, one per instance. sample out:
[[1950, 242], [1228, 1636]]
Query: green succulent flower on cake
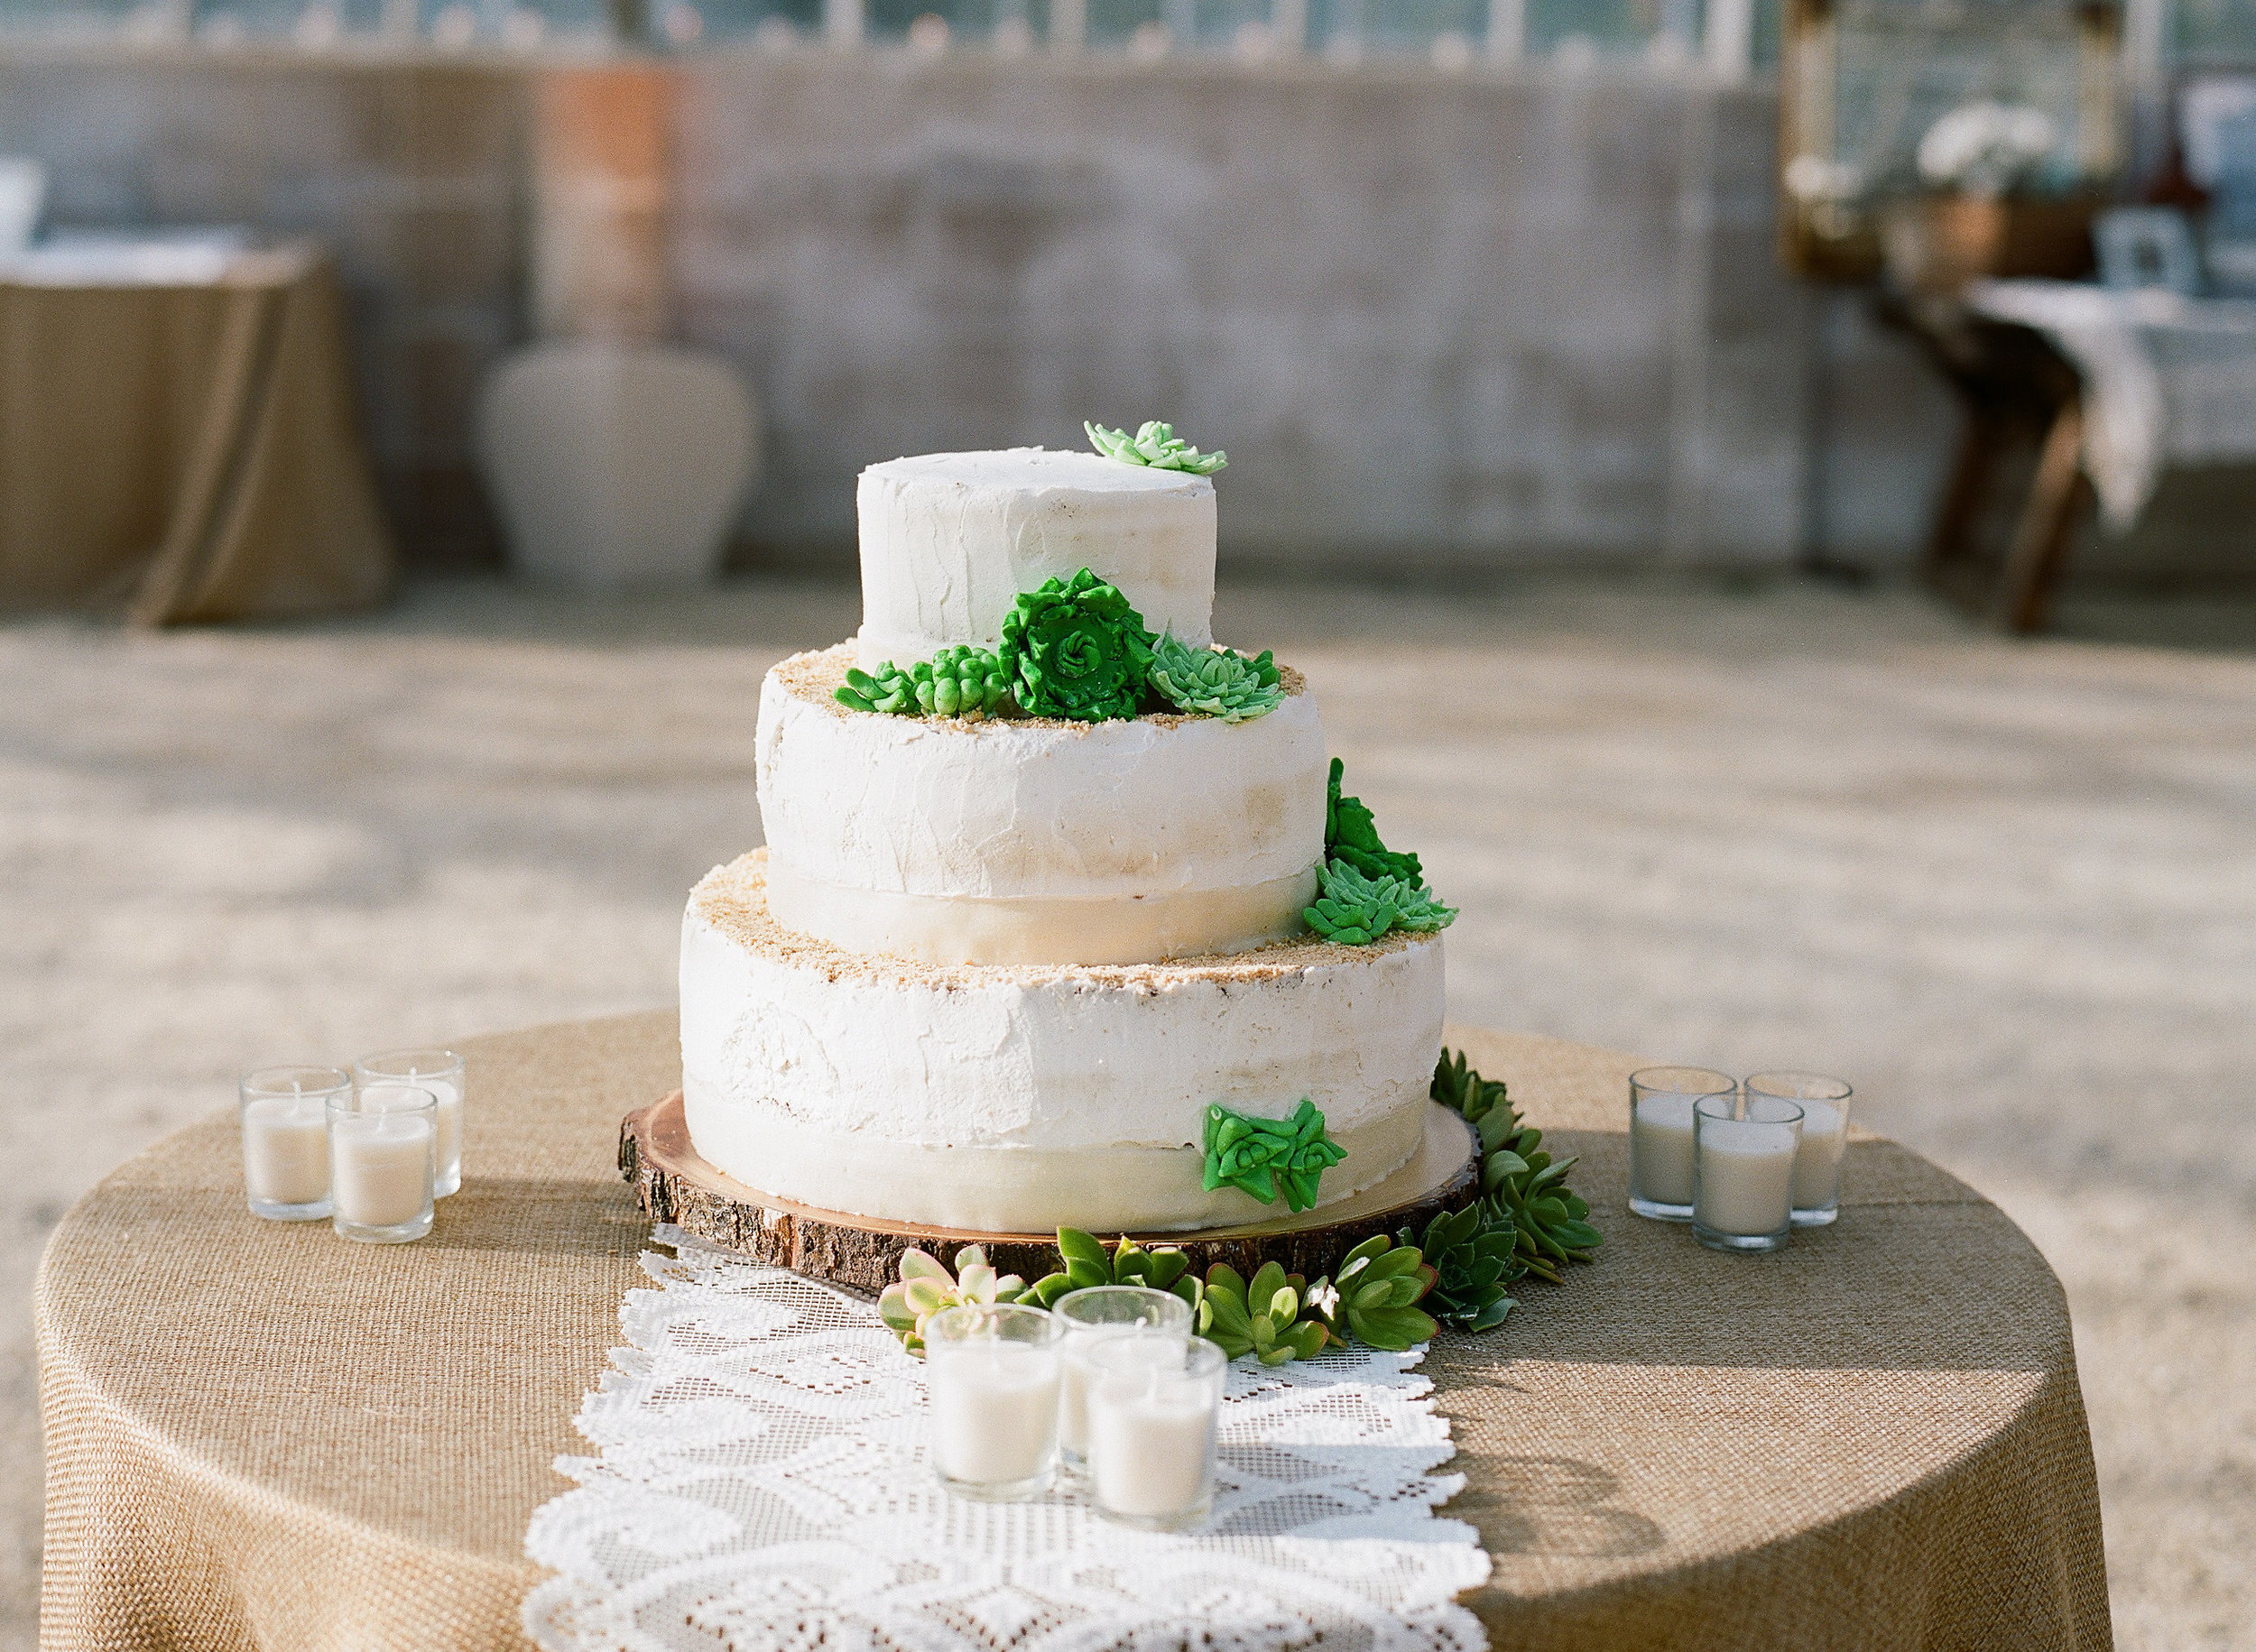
[[955, 682], [1075, 649], [1260, 1156], [1156, 445], [1365, 890], [1215, 682], [1355, 910]]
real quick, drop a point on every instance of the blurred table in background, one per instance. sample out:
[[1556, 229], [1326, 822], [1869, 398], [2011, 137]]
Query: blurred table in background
[[177, 436]]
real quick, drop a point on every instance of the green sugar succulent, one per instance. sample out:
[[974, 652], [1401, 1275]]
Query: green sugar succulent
[[1352, 834], [1075, 649], [1156, 445], [1356, 911], [926, 1287], [1259, 1156], [1215, 682], [956, 682], [888, 689]]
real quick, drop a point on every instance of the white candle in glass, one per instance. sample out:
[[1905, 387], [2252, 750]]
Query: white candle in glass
[[1661, 1100], [382, 1158], [1744, 1172], [993, 1375], [284, 1118], [445, 1075], [1096, 1313], [1153, 1411], [1825, 1104]]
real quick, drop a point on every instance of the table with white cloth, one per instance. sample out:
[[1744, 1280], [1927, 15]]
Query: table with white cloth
[[178, 439], [2113, 389], [261, 1436]]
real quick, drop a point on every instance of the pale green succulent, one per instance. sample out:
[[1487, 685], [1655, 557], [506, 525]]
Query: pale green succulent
[[1215, 682], [1270, 1316], [926, 1287], [1156, 445], [1373, 1296], [1355, 910]]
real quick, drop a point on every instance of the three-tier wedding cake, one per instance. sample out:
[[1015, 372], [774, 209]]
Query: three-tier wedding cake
[[1030, 943]]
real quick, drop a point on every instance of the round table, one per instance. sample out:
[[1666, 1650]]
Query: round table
[[259, 1435]]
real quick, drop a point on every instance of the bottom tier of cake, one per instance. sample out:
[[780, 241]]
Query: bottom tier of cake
[[1021, 1098]]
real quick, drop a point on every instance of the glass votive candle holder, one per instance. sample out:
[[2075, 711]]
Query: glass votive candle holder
[[1661, 1100], [1154, 1405], [447, 1077], [384, 1162], [993, 1375], [285, 1115], [1825, 1104], [1100, 1314], [1743, 1171]]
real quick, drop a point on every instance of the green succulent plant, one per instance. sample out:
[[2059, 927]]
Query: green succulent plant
[[1373, 1296], [926, 1287], [1355, 910], [1520, 1183], [1215, 682], [1267, 1318], [1156, 445], [956, 682], [1259, 1156], [888, 689], [1352, 834], [1470, 1254], [1075, 648], [1086, 1263]]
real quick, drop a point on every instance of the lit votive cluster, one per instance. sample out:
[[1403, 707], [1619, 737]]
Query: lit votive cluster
[[1745, 1162], [1109, 1384], [370, 1151]]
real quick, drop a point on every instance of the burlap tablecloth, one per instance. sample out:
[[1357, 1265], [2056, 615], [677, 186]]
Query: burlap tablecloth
[[185, 451], [261, 1436]]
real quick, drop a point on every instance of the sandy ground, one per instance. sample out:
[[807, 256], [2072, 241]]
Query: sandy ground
[[2008, 888]]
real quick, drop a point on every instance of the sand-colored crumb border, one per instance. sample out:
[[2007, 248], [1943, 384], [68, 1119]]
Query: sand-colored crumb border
[[814, 676], [734, 900]]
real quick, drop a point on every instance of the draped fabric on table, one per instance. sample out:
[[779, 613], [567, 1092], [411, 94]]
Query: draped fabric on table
[[262, 1436], [185, 452]]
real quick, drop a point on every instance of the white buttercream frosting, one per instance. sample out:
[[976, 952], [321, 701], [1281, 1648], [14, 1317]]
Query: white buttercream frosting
[[949, 540], [1014, 841], [1014, 1099]]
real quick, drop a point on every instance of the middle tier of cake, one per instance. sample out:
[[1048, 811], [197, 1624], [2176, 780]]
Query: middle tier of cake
[[1033, 841], [1017, 1099]]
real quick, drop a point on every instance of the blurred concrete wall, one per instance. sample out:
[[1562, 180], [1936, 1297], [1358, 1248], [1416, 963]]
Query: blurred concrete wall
[[1473, 320]]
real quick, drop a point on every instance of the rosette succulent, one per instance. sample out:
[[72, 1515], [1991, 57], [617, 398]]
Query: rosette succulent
[[1215, 682], [1520, 1183], [1156, 445], [1355, 910], [1075, 648], [1259, 1156], [926, 1287], [1086, 1263], [1373, 1297], [1268, 1317], [1469, 1254]]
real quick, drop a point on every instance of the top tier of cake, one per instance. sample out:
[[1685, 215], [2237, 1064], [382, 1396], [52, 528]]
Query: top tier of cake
[[949, 540]]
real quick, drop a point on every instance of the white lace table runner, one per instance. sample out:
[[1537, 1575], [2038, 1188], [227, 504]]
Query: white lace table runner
[[762, 1484]]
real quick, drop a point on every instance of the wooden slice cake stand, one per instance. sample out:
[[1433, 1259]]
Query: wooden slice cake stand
[[863, 1254]]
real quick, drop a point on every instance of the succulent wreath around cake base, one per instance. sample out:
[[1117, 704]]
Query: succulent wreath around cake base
[[1443, 1242]]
